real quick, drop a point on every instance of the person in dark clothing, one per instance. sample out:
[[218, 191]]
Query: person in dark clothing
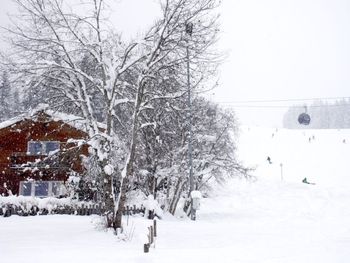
[[305, 181], [269, 159]]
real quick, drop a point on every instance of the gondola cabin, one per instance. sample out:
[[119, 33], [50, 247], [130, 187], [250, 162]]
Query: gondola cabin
[[39, 151], [304, 119]]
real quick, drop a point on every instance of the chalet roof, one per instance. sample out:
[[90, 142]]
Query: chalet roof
[[72, 120]]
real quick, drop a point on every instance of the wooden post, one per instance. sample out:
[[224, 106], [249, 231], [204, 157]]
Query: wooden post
[[155, 227], [149, 216], [16, 210], [281, 165], [8, 211], [145, 248], [151, 234], [35, 210], [127, 210], [13, 210]]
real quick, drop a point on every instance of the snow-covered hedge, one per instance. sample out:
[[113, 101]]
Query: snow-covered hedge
[[34, 205]]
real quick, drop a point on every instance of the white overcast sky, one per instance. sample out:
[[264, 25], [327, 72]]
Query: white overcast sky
[[278, 49]]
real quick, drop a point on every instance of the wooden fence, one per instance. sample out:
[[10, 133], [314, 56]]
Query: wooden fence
[[84, 209]]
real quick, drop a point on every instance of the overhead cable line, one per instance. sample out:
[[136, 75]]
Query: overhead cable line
[[285, 106], [283, 100]]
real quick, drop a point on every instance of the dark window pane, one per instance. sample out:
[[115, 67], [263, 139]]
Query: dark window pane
[[35, 148], [51, 146], [41, 188], [26, 188]]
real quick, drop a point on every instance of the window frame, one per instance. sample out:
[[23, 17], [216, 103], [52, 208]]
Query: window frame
[[43, 147], [50, 193]]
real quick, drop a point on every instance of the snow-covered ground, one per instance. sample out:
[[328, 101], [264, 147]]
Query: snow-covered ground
[[276, 218]]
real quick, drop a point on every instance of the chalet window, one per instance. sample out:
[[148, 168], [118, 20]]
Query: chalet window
[[51, 147], [35, 148], [41, 188], [42, 147], [26, 188]]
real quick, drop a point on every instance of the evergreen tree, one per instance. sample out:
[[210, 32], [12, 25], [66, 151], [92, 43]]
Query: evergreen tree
[[5, 97]]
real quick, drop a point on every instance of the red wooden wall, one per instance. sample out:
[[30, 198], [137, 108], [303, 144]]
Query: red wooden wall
[[41, 127]]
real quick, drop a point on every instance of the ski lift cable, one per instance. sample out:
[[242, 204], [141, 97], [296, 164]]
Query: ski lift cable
[[283, 100], [284, 106]]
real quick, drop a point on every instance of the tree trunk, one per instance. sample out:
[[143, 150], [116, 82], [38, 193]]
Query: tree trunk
[[176, 197], [121, 204], [107, 196], [130, 161]]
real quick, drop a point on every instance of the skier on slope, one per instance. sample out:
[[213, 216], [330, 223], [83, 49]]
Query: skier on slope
[[269, 159], [305, 181]]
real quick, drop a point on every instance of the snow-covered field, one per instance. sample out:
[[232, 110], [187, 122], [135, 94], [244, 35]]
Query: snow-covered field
[[276, 218]]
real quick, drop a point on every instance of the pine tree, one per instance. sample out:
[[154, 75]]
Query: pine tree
[[5, 97]]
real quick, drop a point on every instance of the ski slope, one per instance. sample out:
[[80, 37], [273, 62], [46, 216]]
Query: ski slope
[[273, 218], [320, 155]]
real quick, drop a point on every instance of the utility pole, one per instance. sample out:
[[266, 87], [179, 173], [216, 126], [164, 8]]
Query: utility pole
[[281, 165], [189, 29]]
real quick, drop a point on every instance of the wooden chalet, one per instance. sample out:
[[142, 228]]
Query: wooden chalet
[[38, 152]]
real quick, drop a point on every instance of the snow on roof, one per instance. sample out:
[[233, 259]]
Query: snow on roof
[[72, 120], [10, 122]]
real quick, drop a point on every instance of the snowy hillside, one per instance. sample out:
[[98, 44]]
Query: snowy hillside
[[273, 218], [320, 155]]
